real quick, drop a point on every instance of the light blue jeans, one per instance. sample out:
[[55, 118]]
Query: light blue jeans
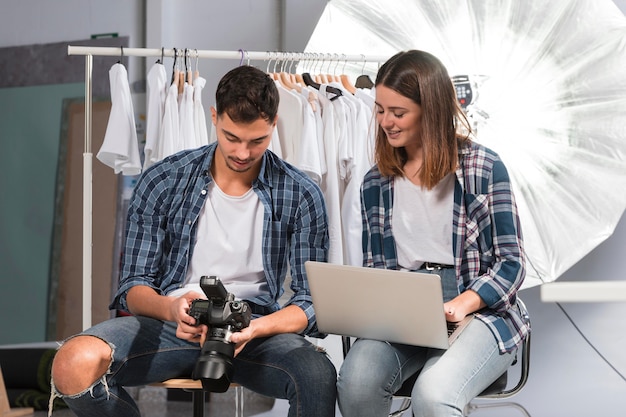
[[146, 350], [449, 379]]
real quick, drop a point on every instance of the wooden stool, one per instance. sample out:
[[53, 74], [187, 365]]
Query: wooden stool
[[197, 393], [5, 408]]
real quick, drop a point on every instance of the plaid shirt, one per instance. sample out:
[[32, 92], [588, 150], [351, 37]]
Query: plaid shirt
[[163, 218], [487, 240]]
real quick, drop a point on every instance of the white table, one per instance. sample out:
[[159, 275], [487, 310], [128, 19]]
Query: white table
[[584, 292]]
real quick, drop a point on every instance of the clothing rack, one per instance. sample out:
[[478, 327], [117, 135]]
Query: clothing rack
[[90, 51]]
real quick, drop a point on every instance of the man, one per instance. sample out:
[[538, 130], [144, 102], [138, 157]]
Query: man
[[233, 210]]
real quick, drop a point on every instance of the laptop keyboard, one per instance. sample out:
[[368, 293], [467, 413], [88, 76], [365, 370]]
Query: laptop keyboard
[[452, 326]]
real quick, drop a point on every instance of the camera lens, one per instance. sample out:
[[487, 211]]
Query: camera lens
[[215, 366]]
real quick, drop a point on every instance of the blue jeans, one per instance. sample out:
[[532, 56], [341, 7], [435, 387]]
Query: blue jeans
[[449, 379], [146, 350]]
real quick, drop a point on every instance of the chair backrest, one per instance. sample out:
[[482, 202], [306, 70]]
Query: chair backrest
[[523, 358]]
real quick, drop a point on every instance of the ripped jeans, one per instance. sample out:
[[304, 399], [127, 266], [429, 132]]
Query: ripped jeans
[[146, 350]]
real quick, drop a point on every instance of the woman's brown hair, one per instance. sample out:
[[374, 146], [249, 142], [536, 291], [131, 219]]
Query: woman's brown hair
[[422, 78]]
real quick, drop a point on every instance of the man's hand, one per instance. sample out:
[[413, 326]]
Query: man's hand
[[187, 328], [290, 319], [145, 301], [240, 339]]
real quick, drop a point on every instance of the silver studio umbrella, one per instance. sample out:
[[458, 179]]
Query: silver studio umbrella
[[549, 95]]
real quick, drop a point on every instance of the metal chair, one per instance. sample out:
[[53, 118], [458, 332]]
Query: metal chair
[[198, 393], [497, 390]]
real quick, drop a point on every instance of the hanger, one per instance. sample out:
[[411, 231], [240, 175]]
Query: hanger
[[363, 80], [345, 80], [323, 78], [178, 76], [287, 78], [332, 76], [308, 80], [160, 60], [269, 62], [280, 74], [119, 61], [175, 69], [196, 73], [189, 78], [306, 62], [286, 81], [244, 54], [317, 77]]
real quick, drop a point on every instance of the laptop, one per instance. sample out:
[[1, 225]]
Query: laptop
[[381, 304]]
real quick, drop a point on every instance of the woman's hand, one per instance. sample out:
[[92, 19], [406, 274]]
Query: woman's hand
[[454, 313], [463, 304]]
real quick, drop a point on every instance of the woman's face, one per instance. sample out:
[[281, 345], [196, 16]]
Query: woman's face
[[399, 116]]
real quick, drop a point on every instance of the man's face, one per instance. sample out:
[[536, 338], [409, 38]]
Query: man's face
[[241, 145]]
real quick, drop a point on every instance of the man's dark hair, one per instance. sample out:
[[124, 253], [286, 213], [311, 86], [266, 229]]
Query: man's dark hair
[[246, 94]]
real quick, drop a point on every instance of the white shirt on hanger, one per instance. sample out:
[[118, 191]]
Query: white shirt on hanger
[[309, 159], [157, 91], [312, 96], [361, 144], [199, 118], [330, 182], [169, 140], [186, 126], [367, 95], [289, 125], [120, 149]]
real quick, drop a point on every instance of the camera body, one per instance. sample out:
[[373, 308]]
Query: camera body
[[223, 315]]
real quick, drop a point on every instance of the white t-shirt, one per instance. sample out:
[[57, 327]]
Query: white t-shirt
[[157, 91], [422, 222], [330, 182], [169, 142], [289, 125], [120, 149], [186, 127], [309, 158], [199, 118], [229, 244], [360, 142]]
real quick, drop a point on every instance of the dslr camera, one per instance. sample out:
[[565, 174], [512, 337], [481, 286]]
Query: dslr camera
[[223, 315]]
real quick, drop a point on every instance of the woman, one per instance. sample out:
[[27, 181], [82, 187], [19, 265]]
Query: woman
[[436, 202]]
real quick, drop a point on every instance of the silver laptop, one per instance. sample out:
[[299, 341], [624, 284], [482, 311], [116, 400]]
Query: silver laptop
[[395, 306]]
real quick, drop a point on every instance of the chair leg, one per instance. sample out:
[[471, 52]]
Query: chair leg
[[473, 407], [238, 401], [405, 405], [198, 402]]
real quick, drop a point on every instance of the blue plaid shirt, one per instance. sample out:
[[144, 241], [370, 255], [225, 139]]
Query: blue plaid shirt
[[163, 218], [487, 239]]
